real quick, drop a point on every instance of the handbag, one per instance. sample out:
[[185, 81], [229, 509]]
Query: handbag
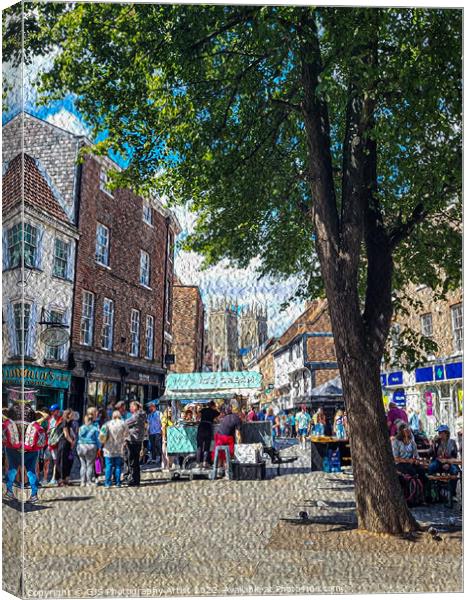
[[97, 464]]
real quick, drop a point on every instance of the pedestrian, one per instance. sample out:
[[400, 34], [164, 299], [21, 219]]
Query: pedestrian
[[444, 448], [292, 424], [395, 414], [23, 437], [166, 422], [459, 432], [320, 422], [87, 447], [65, 448], [270, 415], [50, 451], [136, 436], [302, 424], [414, 421], [262, 415], [154, 432], [204, 434], [125, 414], [113, 436], [41, 456], [252, 415], [229, 427], [339, 428]]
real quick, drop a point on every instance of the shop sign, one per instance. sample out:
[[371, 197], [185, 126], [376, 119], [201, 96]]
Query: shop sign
[[395, 378], [429, 403], [383, 379], [439, 372], [423, 374], [399, 398], [36, 376], [219, 380], [143, 377], [454, 370]]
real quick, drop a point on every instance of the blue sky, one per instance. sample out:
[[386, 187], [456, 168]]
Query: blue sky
[[221, 281]]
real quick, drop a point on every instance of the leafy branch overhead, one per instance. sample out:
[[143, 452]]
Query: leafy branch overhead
[[209, 104]]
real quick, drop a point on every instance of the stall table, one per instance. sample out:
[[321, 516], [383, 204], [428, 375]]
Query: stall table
[[320, 446]]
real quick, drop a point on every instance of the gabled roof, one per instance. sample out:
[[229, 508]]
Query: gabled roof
[[38, 190]]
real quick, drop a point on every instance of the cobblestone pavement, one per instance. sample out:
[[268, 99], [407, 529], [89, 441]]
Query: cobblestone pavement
[[220, 537]]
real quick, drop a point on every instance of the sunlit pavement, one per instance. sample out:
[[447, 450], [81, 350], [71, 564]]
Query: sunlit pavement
[[218, 537]]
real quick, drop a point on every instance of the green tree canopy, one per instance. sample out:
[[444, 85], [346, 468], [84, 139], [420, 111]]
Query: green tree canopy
[[326, 141]]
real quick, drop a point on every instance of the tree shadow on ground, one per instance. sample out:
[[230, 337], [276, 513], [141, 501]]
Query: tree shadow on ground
[[337, 522], [25, 507], [69, 499]]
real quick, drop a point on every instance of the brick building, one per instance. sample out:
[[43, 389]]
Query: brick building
[[434, 388], [121, 326], [122, 297], [188, 328]]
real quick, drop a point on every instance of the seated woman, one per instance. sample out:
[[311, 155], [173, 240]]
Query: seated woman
[[404, 450], [444, 447]]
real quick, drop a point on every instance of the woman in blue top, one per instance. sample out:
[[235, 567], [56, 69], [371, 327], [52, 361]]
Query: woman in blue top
[[87, 446]]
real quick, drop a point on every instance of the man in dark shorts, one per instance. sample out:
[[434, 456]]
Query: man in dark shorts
[[208, 415], [229, 426]]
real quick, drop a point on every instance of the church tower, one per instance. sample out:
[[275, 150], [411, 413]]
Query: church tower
[[253, 327], [223, 335]]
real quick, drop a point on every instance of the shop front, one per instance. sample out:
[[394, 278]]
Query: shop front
[[44, 386], [100, 383], [434, 390]]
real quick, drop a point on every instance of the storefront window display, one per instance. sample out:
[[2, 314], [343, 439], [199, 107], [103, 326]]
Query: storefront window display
[[135, 392], [100, 393]]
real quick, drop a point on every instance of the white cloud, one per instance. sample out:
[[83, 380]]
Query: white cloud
[[68, 121]]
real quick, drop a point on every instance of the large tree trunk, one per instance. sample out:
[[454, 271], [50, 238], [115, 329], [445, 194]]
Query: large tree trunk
[[381, 506], [380, 503]]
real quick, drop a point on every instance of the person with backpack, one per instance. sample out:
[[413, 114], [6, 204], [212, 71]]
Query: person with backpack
[[22, 438], [65, 447], [113, 435], [87, 447]]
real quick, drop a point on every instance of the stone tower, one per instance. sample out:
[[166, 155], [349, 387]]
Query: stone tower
[[253, 326], [223, 335]]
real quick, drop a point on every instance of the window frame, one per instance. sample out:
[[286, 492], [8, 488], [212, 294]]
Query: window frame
[[20, 230], [59, 258], [134, 334], [106, 255], [87, 318], [103, 182], [457, 332], [55, 352], [21, 332], [425, 319], [149, 355], [107, 329], [147, 213], [145, 282]]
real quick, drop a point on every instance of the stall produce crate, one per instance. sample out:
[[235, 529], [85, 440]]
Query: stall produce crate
[[248, 471]]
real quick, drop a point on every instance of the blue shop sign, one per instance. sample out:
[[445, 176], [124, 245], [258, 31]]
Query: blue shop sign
[[383, 379], [454, 370], [439, 372], [423, 374], [36, 376], [395, 378], [399, 398]]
